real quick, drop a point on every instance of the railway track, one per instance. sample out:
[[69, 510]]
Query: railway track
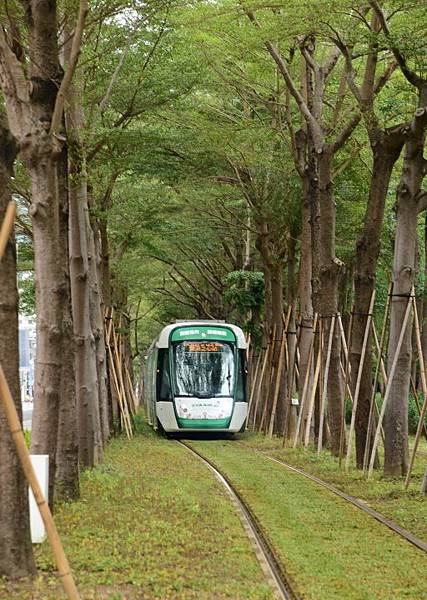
[[270, 564], [404, 533]]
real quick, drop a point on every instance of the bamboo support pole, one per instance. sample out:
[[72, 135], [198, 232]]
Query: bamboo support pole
[[286, 321], [417, 403], [266, 400], [259, 385], [379, 345], [134, 400], [298, 360], [379, 354], [388, 387], [119, 358], [293, 379], [306, 382], [313, 396], [347, 386], [321, 374], [347, 374], [121, 369], [111, 340], [14, 423], [17, 435], [7, 227], [359, 379], [424, 387], [258, 394], [254, 384], [380, 362], [119, 374], [296, 375], [325, 386], [344, 340], [277, 384], [118, 390]]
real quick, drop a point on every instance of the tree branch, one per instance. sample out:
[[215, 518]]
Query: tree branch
[[74, 55], [345, 133], [277, 57], [410, 75], [329, 65], [13, 83], [422, 201], [382, 80]]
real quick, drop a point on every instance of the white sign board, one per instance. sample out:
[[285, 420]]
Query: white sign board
[[41, 467]]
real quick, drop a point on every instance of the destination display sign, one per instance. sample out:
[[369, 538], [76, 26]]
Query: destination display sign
[[203, 332], [203, 346]]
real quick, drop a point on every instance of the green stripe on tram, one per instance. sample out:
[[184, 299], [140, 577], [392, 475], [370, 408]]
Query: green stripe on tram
[[204, 423], [203, 332]]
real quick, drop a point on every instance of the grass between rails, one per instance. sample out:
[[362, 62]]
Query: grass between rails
[[386, 495], [331, 549], [152, 522]]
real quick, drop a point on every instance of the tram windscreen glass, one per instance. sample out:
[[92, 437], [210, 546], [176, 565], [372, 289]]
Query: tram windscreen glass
[[204, 369]]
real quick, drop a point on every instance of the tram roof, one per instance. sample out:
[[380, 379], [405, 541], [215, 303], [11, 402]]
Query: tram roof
[[164, 337]]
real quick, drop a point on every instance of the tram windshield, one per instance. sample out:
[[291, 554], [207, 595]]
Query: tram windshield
[[204, 369]]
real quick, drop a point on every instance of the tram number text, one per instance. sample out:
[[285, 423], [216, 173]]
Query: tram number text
[[203, 347]]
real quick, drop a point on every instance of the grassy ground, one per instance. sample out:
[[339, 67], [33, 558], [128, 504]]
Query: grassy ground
[[152, 523], [387, 495], [331, 549]]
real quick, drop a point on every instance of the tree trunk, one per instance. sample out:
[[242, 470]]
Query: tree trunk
[[67, 457], [315, 232], [97, 322], [106, 294], [16, 557], [305, 296], [367, 252], [105, 276], [89, 422], [330, 271], [290, 409], [49, 302], [277, 320], [424, 313], [407, 207], [262, 247]]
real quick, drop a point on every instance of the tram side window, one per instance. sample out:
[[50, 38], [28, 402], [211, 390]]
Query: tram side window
[[241, 378], [163, 386]]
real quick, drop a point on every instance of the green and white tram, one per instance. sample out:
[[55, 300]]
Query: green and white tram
[[195, 378]]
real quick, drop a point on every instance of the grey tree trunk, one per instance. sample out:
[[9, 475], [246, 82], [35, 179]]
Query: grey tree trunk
[[67, 483], [262, 242], [290, 409], [97, 324], [89, 422], [424, 313], [330, 271], [16, 556], [277, 322], [305, 297], [273, 323], [105, 274], [49, 306], [408, 204], [385, 153]]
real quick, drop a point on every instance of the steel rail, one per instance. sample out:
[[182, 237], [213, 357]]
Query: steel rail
[[270, 564], [404, 533]]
